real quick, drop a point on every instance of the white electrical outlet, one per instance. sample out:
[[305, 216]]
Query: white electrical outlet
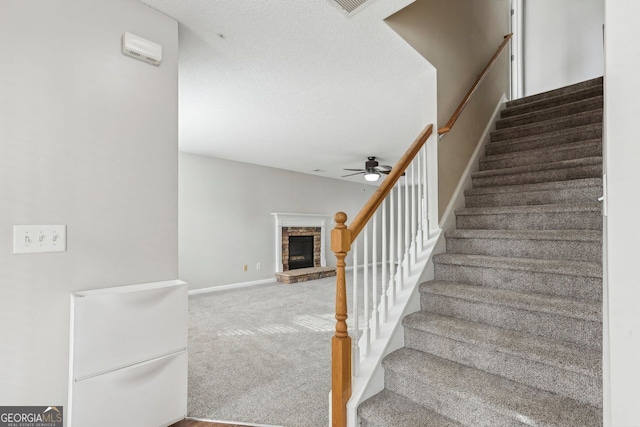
[[28, 239], [258, 266]]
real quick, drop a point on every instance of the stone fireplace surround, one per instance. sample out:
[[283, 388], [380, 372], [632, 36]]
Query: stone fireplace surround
[[302, 225], [293, 221], [314, 232]]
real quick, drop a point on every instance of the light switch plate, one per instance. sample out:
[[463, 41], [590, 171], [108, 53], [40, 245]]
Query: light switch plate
[[28, 239]]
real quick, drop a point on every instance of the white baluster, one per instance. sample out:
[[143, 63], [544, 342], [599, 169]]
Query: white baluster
[[407, 227], [374, 283], [400, 273], [425, 202], [366, 337], [392, 249], [414, 211], [355, 350], [420, 238], [383, 282]]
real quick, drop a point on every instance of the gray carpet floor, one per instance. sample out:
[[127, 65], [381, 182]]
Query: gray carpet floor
[[262, 354]]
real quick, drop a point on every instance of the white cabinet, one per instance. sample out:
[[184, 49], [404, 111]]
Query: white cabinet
[[129, 356]]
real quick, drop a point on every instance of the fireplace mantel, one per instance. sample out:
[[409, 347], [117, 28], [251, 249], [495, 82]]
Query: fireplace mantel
[[299, 220]]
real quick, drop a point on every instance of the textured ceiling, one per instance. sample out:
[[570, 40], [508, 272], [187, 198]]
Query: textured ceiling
[[296, 85]]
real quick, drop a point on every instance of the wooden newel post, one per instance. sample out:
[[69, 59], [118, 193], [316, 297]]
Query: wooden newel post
[[341, 342]]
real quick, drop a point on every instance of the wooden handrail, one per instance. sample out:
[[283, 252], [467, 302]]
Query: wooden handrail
[[384, 189], [479, 80], [341, 239]]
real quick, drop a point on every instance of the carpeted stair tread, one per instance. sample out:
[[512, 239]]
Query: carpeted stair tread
[[477, 398], [541, 104], [574, 150], [388, 409], [548, 126], [565, 278], [558, 137], [555, 353], [563, 164], [580, 245], [563, 267], [588, 104], [589, 167], [557, 235], [554, 93], [586, 206], [543, 186], [585, 215], [567, 307]]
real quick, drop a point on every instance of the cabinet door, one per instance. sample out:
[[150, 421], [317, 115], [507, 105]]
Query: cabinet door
[[117, 327], [149, 394]]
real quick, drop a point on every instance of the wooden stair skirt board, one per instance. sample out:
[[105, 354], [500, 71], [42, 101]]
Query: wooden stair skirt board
[[305, 274]]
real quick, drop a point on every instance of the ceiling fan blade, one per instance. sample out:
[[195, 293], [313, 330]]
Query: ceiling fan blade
[[351, 174], [381, 167], [358, 170], [387, 172]]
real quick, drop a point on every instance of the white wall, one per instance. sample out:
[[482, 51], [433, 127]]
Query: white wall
[[458, 37], [562, 43], [88, 138], [226, 222], [622, 152]]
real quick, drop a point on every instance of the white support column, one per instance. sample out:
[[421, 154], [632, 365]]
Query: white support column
[[355, 344], [414, 217], [419, 237], [375, 325], [392, 249], [400, 273], [383, 282], [407, 227], [366, 332], [425, 193]]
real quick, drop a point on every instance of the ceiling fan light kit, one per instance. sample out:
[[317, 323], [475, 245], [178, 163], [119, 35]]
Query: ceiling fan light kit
[[371, 171], [372, 176]]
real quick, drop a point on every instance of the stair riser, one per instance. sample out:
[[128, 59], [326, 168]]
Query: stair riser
[[544, 324], [582, 287], [526, 159], [581, 387], [566, 137], [525, 248], [558, 97], [547, 127], [546, 197], [533, 221], [551, 175], [446, 402], [590, 104]]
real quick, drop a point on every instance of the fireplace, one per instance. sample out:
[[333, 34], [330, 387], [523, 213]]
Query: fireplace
[[300, 252], [301, 247], [291, 224]]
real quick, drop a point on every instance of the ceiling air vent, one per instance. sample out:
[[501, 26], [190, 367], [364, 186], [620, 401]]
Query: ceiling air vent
[[351, 7]]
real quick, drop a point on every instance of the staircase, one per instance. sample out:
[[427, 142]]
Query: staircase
[[510, 331]]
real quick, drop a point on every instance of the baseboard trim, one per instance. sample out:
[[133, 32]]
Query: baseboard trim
[[231, 286]]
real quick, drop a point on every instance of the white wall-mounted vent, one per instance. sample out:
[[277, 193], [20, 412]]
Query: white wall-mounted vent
[[351, 7], [141, 49]]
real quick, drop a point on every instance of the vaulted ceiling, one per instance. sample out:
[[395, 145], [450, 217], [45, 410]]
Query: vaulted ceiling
[[296, 85]]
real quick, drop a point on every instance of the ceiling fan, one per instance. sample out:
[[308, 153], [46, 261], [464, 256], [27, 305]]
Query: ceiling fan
[[371, 170]]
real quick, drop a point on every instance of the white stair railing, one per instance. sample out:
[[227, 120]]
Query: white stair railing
[[392, 232]]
